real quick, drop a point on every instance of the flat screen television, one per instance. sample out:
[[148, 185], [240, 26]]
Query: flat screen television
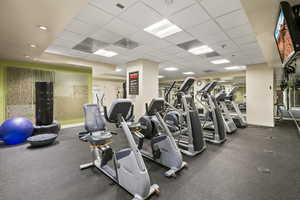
[[286, 33]]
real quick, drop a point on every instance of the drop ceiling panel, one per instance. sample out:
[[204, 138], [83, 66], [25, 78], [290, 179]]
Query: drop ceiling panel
[[106, 36], [190, 16], [183, 54], [64, 43], [240, 31], [81, 28], [250, 47], [57, 50], [93, 15], [171, 50], [110, 6], [233, 19], [205, 29], [225, 47], [119, 50], [166, 9], [145, 38], [141, 15], [246, 39], [220, 7], [67, 35], [213, 38], [159, 44], [77, 54], [142, 49], [120, 27], [153, 58], [179, 37]]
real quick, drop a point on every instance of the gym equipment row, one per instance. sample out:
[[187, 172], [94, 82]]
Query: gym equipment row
[[161, 135]]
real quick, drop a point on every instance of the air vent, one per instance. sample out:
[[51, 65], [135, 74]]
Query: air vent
[[212, 54], [190, 44], [90, 45], [126, 43]]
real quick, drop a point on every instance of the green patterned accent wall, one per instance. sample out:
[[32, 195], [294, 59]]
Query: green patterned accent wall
[[72, 88], [2, 93]]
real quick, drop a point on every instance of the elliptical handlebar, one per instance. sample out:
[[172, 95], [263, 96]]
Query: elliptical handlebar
[[169, 90]]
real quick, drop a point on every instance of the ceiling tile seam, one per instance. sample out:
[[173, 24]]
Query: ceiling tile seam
[[196, 3], [224, 14], [123, 10], [219, 25], [151, 8], [248, 34], [186, 7], [95, 6], [99, 26]]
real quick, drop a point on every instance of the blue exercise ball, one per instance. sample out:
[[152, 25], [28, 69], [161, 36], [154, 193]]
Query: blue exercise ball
[[1, 136], [16, 130]]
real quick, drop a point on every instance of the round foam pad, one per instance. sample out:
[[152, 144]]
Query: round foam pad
[[42, 140]]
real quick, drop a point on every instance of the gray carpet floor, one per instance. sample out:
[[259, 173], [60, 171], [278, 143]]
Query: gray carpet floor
[[254, 164]]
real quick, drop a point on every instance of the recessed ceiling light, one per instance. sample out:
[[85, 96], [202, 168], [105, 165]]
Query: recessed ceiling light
[[188, 73], [243, 67], [220, 61], [201, 50], [32, 45], [44, 28], [105, 53], [160, 76], [118, 70], [163, 29], [171, 69]]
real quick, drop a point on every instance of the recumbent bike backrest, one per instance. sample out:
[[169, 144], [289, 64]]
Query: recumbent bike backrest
[[93, 119], [156, 105]]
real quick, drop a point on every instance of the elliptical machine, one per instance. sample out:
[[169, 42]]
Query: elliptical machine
[[237, 117], [228, 121], [129, 169], [213, 121], [163, 147], [188, 131]]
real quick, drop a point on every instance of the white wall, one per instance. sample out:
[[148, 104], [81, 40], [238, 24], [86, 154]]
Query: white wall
[[110, 89], [148, 84], [259, 95]]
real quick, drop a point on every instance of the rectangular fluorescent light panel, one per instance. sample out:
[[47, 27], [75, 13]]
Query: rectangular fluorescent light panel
[[201, 50], [188, 73], [163, 29], [105, 53], [220, 61], [171, 69], [235, 68]]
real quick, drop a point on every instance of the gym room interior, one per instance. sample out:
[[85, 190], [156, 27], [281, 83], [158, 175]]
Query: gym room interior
[[150, 99]]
